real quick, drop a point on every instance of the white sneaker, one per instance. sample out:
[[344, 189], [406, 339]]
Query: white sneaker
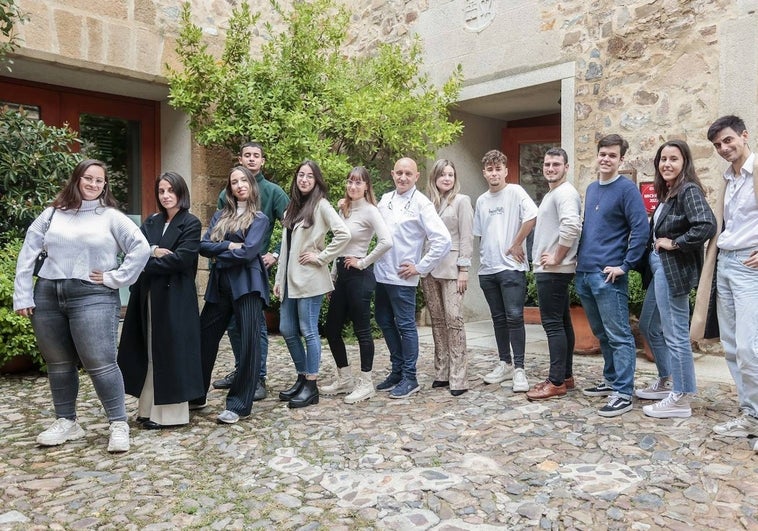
[[742, 426], [658, 390], [520, 383], [675, 405], [363, 391], [119, 441], [500, 373], [60, 431], [343, 384]]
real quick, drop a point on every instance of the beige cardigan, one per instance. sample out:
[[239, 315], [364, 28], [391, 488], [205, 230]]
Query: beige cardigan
[[700, 313], [309, 280]]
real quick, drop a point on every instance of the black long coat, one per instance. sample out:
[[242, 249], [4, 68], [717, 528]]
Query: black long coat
[[170, 281]]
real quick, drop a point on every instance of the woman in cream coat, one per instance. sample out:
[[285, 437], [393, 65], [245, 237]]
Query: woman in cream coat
[[303, 276], [445, 285]]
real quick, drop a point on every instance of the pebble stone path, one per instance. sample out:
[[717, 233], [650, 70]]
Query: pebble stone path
[[486, 460]]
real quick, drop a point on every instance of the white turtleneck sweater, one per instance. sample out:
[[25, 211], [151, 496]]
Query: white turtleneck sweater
[[79, 242], [364, 221]]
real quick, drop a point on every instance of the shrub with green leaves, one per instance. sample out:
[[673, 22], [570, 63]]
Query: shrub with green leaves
[[35, 161], [303, 97], [16, 334]]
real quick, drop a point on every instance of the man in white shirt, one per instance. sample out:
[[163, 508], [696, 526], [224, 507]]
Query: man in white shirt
[[503, 218], [411, 219], [737, 271]]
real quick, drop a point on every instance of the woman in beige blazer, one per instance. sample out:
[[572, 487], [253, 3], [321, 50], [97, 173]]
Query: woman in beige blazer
[[445, 286], [303, 276]]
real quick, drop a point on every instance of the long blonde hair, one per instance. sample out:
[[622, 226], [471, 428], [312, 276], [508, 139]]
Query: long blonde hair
[[431, 186], [229, 222], [361, 173]]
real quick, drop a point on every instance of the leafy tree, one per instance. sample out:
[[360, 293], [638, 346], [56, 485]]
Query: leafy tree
[[35, 161], [9, 16], [302, 97]]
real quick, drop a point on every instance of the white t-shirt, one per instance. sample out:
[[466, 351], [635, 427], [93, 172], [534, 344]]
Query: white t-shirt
[[497, 219]]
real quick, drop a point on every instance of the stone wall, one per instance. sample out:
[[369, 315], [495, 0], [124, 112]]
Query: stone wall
[[647, 70]]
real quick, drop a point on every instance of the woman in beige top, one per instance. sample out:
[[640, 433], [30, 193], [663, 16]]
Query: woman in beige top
[[445, 285], [355, 284], [303, 276]]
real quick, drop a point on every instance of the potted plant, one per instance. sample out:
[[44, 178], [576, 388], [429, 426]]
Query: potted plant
[[18, 346]]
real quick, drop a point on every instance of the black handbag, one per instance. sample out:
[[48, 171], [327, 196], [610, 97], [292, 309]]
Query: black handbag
[[42, 256]]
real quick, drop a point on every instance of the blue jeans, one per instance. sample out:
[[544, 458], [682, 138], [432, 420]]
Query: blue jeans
[[737, 305], [235, 339], [300, 317], [505, 293], [396, 316], [553, 295], [77, 321], [607, 307], [665, 323]]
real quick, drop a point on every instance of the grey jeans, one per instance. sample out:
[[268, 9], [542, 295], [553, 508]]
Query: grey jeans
[[74, 321]]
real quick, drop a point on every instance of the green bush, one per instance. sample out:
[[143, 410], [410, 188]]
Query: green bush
[[16, 334], [35, 161]]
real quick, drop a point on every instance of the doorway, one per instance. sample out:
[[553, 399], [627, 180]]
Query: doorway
[[122, 132]]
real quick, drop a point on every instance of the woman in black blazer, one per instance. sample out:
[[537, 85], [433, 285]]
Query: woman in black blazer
[[680, 226], [237, 285], [159, 353]]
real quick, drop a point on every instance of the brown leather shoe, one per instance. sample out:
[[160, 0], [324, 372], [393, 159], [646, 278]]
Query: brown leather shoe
[[548, 390], [569, 382]]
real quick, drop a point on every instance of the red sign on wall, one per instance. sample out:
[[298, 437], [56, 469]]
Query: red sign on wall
[[649, 197]]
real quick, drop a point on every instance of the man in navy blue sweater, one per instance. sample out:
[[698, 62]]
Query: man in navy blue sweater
[[612, 243]]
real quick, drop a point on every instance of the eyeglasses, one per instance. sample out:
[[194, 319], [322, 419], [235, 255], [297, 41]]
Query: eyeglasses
[[355, 182], [306, 176], [93, 180]]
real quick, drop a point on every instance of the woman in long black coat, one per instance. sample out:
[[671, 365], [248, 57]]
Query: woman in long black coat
[[159, 353]]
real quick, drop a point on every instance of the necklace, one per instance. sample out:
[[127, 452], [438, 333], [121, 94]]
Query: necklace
[[600, 194]]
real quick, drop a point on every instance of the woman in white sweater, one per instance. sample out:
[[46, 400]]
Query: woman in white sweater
[[303, 276], [355, 284], [74, 305]]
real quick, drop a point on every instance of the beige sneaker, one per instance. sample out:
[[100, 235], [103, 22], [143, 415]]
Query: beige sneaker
[[363, 391], [119, 441], [341, 385], [60, 431], [675, 405], [520, 382], [500, 373], [742, 426], [658, 390]]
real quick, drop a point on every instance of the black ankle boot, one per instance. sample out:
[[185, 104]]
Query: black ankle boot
[[308, 395], [287, 395]]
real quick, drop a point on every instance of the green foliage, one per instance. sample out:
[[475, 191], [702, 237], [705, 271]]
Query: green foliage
[[9, 16], [636, 293], [16, 334], [303, 98], [35, 161]]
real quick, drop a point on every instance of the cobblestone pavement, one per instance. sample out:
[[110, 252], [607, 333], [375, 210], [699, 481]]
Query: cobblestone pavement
[[488, 459]]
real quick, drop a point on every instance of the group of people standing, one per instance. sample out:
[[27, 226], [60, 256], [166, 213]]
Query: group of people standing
[[168, 348]]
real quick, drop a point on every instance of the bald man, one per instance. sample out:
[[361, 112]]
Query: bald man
[[412, 220]]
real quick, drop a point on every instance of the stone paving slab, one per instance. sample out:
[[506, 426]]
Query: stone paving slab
[[486, 460]]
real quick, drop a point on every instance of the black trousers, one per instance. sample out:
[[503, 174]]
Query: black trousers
[[553, 295], [214, 320], [351, 300]]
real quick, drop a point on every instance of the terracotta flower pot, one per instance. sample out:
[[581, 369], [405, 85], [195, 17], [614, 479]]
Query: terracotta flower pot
[[585, 341], [17, 365]]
